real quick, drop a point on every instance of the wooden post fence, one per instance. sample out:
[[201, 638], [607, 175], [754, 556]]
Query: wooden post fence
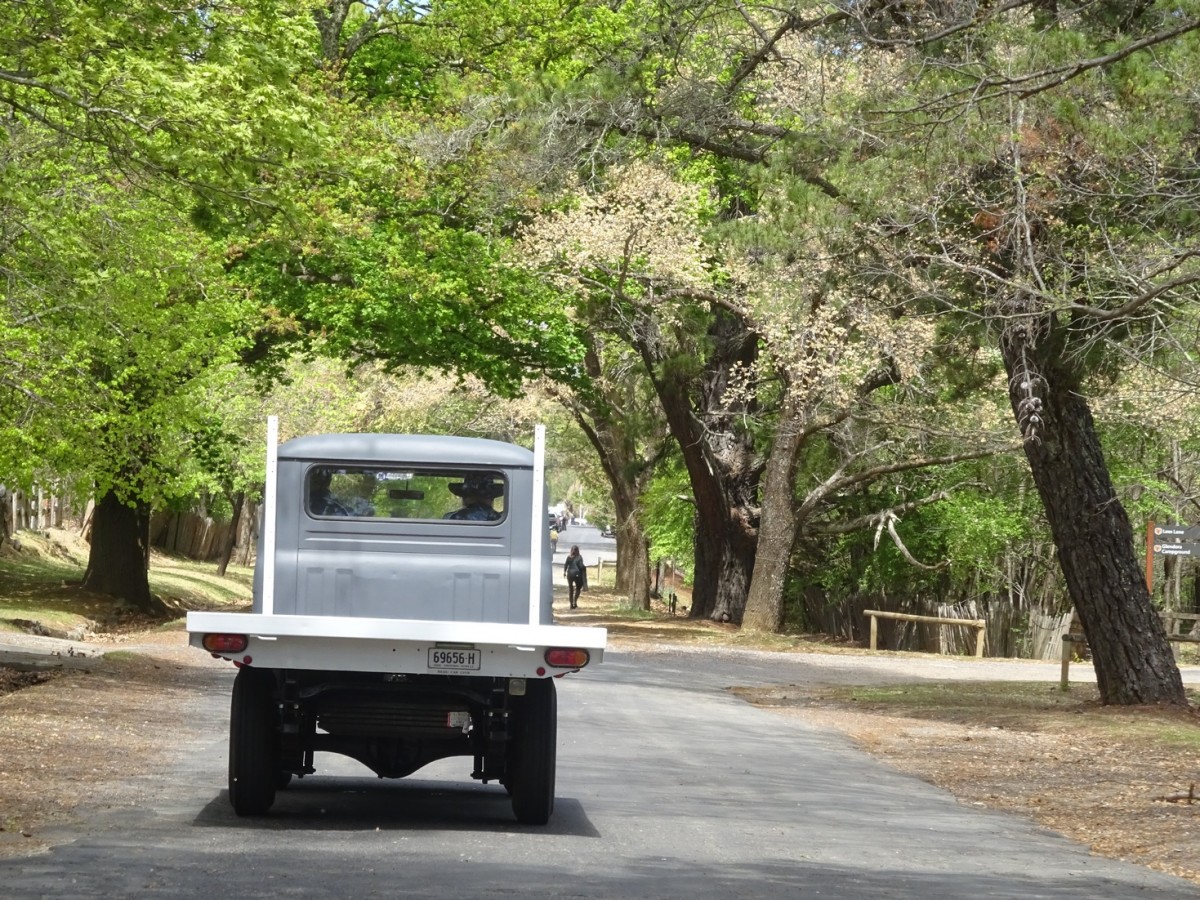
[[1170, 619], [980, 625]]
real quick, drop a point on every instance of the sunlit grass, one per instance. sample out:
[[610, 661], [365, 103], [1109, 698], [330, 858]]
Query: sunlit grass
[[1019, 705], [41, 583]]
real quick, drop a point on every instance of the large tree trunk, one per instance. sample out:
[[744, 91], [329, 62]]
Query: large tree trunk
[[1091, 530], [633, 550], [703, 416], [777, 529], [117, 563], [627, 468], [721, 466], [239, 499], [724, 565]]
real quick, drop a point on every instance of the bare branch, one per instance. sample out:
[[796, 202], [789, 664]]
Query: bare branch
[[839, 480], [849, 526], [1062, 74], [1135, 303], [789, 25], [888, 520]]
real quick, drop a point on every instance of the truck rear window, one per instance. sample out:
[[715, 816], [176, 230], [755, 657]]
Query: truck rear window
[[361, 492]]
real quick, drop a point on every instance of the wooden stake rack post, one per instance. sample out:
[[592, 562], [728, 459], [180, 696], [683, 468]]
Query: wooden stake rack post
[[979, 625]]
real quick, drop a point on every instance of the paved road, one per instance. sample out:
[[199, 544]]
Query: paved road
[[668, 787], [592, 547]]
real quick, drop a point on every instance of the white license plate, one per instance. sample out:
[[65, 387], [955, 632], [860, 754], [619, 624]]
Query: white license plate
[[442, 659]]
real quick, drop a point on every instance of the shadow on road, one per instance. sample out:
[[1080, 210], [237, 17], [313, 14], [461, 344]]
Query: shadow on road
[[366, 804]]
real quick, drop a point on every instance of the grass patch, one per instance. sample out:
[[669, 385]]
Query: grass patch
[[1166, 729], [126, 656], [1013, 695], [40, 588], [1018, 705], [197, 584], [629, 612]]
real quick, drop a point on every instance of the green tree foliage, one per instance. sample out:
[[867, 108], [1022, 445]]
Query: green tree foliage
[[206, 94], [126, 126], [941, 153], [670, 514], [116, 332]]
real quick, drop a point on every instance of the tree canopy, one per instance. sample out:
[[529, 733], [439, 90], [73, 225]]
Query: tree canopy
[[832, 261]]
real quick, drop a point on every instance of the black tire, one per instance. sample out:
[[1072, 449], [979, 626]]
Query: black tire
[[253, 743], [534, 753]]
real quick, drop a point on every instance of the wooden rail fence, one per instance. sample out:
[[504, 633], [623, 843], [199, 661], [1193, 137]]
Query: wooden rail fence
[[1171, 619], [980, 625]]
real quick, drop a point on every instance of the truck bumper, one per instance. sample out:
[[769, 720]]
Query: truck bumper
[[407, 646]]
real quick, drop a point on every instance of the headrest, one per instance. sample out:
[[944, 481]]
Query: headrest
[[477, 486]]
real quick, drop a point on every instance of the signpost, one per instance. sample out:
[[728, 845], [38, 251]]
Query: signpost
[[1177, 549], [1169, 540]]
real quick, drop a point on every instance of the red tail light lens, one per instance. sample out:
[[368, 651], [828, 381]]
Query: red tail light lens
[[567, 658], [225, 643]]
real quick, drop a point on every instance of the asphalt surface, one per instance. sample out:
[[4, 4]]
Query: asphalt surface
[[668, 787], [592, 547]]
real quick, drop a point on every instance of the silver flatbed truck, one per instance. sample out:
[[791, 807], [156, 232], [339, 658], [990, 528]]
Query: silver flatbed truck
[[402, 614]]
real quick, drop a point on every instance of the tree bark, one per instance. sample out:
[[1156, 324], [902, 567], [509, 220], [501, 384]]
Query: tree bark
[[5, 515], [1091, 530], [777, 531], [633, 552], [239, 500], [627, 468], [721, 469], [633, 549], [117, 563], [249, 534]]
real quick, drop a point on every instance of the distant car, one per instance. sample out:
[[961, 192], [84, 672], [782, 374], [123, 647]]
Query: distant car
[[608, 531]]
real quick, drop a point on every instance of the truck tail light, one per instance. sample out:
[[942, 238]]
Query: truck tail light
[[225, 643], [567, 658]]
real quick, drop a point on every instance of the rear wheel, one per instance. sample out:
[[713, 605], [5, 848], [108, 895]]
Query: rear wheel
[[534, 754], [253, 743]]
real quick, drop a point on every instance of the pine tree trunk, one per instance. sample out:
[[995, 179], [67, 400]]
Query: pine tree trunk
[[703, 416], [1091, 531], [117, 563], [724, 542]]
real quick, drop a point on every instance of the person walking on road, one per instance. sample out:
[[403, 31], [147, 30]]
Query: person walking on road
[[576, 573], [553, 540]]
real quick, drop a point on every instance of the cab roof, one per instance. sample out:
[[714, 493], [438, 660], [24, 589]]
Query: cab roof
[[407, 448]]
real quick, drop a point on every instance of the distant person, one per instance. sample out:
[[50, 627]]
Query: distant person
[[576, 573], [553, 539], [477, 493]]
